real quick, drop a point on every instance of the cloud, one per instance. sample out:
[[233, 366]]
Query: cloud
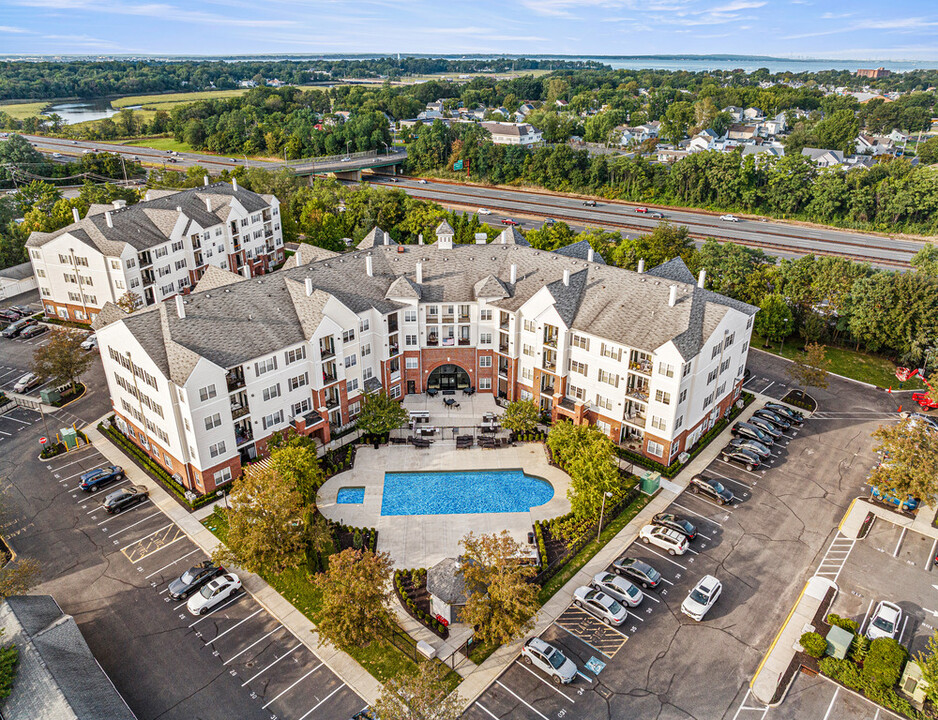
[[915, 24], [162, 11], [16, 30]]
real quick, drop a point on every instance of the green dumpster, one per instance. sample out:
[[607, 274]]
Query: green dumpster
[[651, 481], [50, 396], [69, 437], [838, 642]]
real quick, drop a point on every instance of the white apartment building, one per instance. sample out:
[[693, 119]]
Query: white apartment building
[[154, 249], [652, 358], [505, 133]]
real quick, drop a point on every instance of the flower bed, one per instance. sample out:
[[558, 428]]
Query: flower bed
[[338, 460], [51, 450], [800, 400], [411, 589], [345, 536]]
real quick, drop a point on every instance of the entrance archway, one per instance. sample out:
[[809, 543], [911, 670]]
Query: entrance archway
[[448, 377]]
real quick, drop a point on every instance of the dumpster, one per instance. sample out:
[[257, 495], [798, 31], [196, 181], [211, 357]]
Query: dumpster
[[50, 396], [650, 482], [69, 438]]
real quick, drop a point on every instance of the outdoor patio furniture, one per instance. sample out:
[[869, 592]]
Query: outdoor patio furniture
[[398, 441], [468, 390], [449, 402], [432, 393]]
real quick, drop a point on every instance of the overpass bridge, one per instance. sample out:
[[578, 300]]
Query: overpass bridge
[[349, 167]]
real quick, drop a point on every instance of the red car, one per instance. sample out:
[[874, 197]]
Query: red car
[[641, 210], [646, 211], [509, 221]]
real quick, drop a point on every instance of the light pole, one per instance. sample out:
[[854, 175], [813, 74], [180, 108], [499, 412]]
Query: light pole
[[223, 494], [348, 142], [601, 511], [387, 150]]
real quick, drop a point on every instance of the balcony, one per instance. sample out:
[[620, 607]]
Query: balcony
[[395, 376], [503, 348], [503, 325], [433, 340], [196, 242], [328, 379], [144, 260], [239, 411], [393, 349], [463, 341], [549, 365], [243, 435], [550, 336], [235, 380], [641, 366], [463, 318], [325, 353], [637, 393], [332, 401], [450, 318], [503, 369], [636, 419]]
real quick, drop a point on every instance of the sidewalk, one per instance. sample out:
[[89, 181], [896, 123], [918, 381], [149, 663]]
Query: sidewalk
[[343, 665], [853, 521]]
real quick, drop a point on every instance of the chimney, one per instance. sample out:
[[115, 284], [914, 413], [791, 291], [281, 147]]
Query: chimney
[[179, 208], [589, 255], [420, 239], [309, 286], [208, 204], [205, 180], [107, 219], [701, 278], [387, 238], [481, 238], [75, 214], [566, 278], [234, 184], [368, 268], [641, 265], [514, 273], [180, 307], [420, 273], [672, 297], [118, 204], [246, 270]]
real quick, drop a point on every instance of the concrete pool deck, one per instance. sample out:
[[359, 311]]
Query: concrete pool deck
[[416, 541]]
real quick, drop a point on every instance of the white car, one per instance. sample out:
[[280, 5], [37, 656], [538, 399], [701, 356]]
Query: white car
[[421, 182], [56, 155], [90, 342], [26, 382], [484, 211], [885, 621], [618, 588], [597, 603], [665, 538], [729, 218], [213, 593], [546, 657], [702, 598]]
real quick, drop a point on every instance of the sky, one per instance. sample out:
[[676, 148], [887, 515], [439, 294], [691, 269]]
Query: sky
[[830, 29]]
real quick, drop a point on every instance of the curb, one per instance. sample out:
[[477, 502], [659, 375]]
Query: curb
[[842, 377]]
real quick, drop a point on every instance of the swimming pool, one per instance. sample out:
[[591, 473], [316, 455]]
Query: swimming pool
[[463, 492], [350, 496]]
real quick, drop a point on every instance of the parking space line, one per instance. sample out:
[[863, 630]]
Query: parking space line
[[133, 525], [110, 517], [931, 555], [694, 512], [899, 544], [522, 700], [487, 711], [585, 642], [284, 692], [629, 612], [269, 666], [833, 700], [219, 637], [902, 632], [705, 537], [165, 527], [95, 492], [60, 468], [252, 644], [734, 480], [866, 614], [741, 469], [550, 685], [220, 607], [664, 557], [10, 417], [155, 572], [310, 711], [766, 388], [154, 552]]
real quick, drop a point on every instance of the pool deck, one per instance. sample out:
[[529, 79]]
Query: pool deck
[[420, 541]]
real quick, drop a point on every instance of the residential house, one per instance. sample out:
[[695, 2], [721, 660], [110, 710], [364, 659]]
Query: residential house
[[753, 114], [742, 132], [874, 145], [824, 158], [734, 112], [504, 133]]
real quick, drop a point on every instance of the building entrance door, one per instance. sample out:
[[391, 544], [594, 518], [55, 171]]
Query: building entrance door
[[448, 377]]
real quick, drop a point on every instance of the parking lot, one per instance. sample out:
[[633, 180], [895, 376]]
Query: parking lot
[[111, 572]]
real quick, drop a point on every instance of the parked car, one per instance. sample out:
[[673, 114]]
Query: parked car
[[729, 218], [637, 570], [753, 446], [711, 488], [22, 310], [765, 426], [599, 604], [793, 416], [549, 659], [124, 498], [214, 592], [589, 203], [194, 578], [746, 458], [484, 211], [676, 522], [9, 316], [665, 538], [27, 383], [885, 622], [32, 331], [747, 430], [90, 342], [99, 477], [15, 328], [702, 597], [509, 221], [907, 504], [618, 588], [773, 417]]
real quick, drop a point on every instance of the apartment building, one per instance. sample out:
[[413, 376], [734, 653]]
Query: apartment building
[[505, 133], [154, 249], [652, 358]]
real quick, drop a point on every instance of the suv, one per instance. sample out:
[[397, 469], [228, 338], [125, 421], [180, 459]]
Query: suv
[[747, 430], [193, 578], [702, 598], [94, 479], [617, 588], [765, 426], [637, 570], [27, 383], [665, 538], [546, 657], [599, 604], [711, 488], [589, 203], [124, 498], [676, 522]]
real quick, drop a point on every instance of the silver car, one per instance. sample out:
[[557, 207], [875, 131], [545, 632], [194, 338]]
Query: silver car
[[618, 588], [546, 657], [597, 603]]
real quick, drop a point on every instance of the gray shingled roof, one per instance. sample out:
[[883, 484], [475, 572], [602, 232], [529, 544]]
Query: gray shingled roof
[[581, 251], [214, 277], [57, 677], [674, 269], [375, 238], [306, 253], [445, 581], [444, 228]]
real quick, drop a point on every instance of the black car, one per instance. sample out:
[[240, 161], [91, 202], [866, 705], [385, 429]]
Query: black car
[[124, 498], [98, 478], [773, 417], [765, 426], [753, 446], [14, 329], [589, 203], [793, 415], [676, 522], [193, 578], [32, 331], [746, 458], [638, 571], [745, 430], [712, 489]]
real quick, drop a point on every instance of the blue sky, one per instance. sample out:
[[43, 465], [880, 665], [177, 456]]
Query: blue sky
[[836, 29]]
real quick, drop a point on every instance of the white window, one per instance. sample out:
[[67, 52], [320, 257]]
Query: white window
[[527, 373], [576, 392], [485, 315], [273, 419], [528, 350], [348, 336], [610, 351], [744, 347], [666, 369], [115, 264], [410, 340], [301, 408], [207, 393], [177, 246], [180, 264], [410, 316], [411, 363], [721, 390], [603, 427], [291, 356], [711, 376], [581, 342], [530, 326], [716, 351], [363, 326], [223, 475], [658, 423], [212, 421], [725, 365], [367, 373], [366, 349], [682, 397], [687, 368], [608, 378], [708, 401], [485, 361], [741, 371], [351, 360], [655, 448], [485, 338], [272, 392], [298, 381], [485, 383], [679, 422], [663, 397], [265, 366], [216, 449], [396, 391], [578, 367], [749, 322], [729, 340], [354, 408], [351, 386], [604, 402], [526, 394]]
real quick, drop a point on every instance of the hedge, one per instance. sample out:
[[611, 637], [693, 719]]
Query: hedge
[[541, 545], [674, 468], [871, 682], [842, 622]]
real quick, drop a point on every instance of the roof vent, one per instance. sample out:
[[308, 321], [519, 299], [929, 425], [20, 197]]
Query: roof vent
[[234, 184], [208, 204], [672, 297], [566, 277], [77, 217], [701, 278], [420, 273], [180, 307], [368, 268], [641, 265], [179, 208], [514, 273], [205, 180], [108, 220], [589, 255]]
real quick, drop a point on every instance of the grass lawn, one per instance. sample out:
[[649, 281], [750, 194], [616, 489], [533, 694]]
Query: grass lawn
[[21, 111], [865, 367], [382, 659], [159, 143], [167, 101]]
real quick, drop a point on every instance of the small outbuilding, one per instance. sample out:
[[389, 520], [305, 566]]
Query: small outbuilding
[[447, 588]]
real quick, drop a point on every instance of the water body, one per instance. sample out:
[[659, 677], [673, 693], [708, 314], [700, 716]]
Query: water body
[[83, 110]]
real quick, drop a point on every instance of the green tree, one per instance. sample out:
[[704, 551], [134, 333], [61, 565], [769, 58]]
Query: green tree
[[356, 601], [912, 465], [501, 600], [774, 319], [129, 301], [928, 662], [810, 369], [18, 577], [298, 464], [838, 131], [677, 119], [418, 696], [380, 414], [521, 416], [62, 359], [9, 657], [588, 456], [665, 242], [928, 151], [926, 260]]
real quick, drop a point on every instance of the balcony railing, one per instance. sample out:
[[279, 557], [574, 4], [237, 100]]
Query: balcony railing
[[326, 353], [637, 394], [144, 261], [332, 402], [503, 348], [393, 349], [551, 341], [433, 340], [242, 436], [328, 379], [549, 365], [449, 318], [642, 366], [235, 382], [503, 370], [635, 419], [463, 341], [503, 325], [463, 318], [239, 411]]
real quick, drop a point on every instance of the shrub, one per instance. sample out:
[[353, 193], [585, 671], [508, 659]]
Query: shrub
[[357, 540], [841, 622], [859, 648], [842, 671], [883, 664], [813, 644]]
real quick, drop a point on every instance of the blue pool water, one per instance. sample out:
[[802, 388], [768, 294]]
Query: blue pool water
[[350, 496], [459, 493]]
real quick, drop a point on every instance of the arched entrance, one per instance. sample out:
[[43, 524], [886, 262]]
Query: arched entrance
[[448, 377]]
